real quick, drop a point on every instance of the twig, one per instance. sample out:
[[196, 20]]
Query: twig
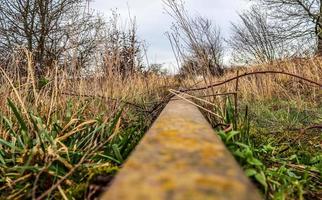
[[105, 98], [236, 101], [302, 130], [178, 95], [193, 97], [314, 127], [252, 73], [213, 95]]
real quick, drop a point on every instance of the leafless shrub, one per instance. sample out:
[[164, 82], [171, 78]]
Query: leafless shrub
[[53, 30], [254, 40], [297, 20], [122, 49], [195, 41]]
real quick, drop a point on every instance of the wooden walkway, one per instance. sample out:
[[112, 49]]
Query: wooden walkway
[[181, 158]]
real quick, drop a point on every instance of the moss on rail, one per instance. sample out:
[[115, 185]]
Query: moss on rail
[[181, 158]]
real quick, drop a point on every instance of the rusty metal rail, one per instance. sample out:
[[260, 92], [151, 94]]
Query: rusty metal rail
[[181, 158]]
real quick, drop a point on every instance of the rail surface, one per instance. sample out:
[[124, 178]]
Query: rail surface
[[181, 158]]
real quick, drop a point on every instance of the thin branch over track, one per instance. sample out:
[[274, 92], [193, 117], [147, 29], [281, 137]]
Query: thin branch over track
[[253, 73]]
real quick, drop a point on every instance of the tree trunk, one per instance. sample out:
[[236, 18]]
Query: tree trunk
[[319, 32], [319, 47]]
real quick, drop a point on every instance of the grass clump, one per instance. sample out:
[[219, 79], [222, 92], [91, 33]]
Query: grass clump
[[36, 154], [283, 166]]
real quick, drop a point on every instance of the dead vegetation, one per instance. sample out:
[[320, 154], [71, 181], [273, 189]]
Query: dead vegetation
[[77, 109]]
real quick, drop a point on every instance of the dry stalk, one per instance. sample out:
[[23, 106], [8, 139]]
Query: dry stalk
[[253, 73]]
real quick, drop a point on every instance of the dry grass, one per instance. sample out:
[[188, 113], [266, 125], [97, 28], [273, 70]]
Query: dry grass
[[59, 128], [261, 87], [276, 135]]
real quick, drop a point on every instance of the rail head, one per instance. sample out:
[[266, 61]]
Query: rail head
[[181, 158]]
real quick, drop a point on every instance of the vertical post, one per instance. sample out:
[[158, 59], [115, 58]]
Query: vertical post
[[236, 100]]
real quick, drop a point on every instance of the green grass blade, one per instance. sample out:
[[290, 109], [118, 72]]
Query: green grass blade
[[8, 144], [117, 152], [18, 115]]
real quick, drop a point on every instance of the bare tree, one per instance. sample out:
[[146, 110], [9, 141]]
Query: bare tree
[[122, 49], [195, 40], [50, 29], [298, 19], [85, 33], [254, 40]]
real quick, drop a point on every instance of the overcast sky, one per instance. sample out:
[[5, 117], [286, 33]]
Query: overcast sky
[[153, 22]]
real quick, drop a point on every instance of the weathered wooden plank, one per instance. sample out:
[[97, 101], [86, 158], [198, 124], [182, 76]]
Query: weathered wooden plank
[[181, 158]]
